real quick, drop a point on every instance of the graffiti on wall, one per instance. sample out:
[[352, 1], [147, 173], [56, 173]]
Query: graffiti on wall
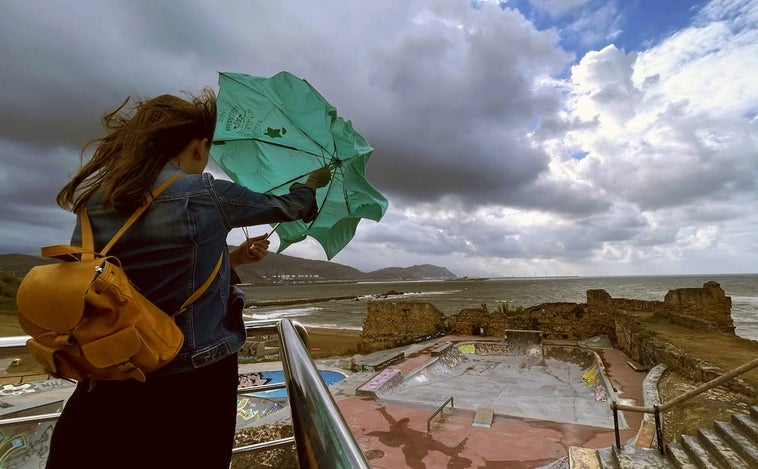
[[251, 409], [34, 386], [251, 380], [467, 348], [592, 376], [27, 444]]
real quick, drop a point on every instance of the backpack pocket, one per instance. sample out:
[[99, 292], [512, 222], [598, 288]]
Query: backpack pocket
[[54, 359], [113, 349]]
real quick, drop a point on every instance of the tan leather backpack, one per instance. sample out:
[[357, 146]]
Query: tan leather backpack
[[88, 321]]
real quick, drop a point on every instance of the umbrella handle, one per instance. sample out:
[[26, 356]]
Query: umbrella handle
[[247, 236]]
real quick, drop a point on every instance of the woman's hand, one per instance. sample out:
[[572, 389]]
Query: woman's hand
[[252, 250]]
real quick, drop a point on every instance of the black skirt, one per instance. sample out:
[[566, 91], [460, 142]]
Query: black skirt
[[176, 420]]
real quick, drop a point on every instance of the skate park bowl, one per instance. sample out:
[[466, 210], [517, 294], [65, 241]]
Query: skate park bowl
[[517, 377]]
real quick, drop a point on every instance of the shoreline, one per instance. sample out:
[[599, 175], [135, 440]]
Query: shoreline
[[327, 342], [296, 301]]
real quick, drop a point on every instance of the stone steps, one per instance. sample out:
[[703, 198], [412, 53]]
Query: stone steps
[[727, 445]]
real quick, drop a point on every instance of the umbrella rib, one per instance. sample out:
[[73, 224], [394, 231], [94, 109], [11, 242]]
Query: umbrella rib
[[336, 168], [344, 192], [299, 150]]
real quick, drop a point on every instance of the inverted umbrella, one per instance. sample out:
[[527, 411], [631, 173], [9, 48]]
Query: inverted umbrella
[[271, 132]]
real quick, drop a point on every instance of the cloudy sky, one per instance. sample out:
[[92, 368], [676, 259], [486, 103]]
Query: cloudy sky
[[529, 137]]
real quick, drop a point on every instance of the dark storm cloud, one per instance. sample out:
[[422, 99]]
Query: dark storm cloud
[[495, 146]]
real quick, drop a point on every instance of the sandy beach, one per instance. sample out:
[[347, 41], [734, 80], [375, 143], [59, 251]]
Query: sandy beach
[[327, 342]]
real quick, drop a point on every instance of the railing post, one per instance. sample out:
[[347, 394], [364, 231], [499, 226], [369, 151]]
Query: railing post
[[616, 423], [658, 428]]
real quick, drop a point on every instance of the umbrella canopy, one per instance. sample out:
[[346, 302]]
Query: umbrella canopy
[[271, 132]]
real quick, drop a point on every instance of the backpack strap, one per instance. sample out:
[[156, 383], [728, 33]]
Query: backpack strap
[[66, 252], [87, 250], [137, 213], [88, 242]]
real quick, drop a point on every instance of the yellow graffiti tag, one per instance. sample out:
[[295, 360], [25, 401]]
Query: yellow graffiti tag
[[591, 376], [467, 348]]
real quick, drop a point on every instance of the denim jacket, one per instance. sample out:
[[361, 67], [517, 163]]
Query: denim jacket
[[173, 247]]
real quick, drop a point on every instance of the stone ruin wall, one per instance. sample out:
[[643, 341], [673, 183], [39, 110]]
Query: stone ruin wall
[[563, 321], [600, 301], [554, 320], [478, 321], [707, 307], [391, 324], [394, 323], [398, 321]]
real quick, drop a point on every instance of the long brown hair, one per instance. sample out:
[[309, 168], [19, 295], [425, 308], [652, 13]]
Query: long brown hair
[[139, 141]]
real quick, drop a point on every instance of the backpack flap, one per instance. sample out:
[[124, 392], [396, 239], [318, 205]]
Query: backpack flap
[[113, 349], [52, 296], [112, 356]]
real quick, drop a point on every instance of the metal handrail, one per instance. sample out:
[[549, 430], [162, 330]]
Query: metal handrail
[[657, 409], [324, 439], [439, 409], [321, 436]]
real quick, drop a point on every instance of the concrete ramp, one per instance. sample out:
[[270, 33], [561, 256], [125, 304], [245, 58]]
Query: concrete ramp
[[522, 342], [483, 417], [379, 360], [381, 383]]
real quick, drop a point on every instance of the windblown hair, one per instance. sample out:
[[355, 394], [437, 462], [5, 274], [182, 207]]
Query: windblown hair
[[139, 142]]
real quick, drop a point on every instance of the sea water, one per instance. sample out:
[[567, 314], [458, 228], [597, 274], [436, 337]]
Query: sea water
[[452, 296]]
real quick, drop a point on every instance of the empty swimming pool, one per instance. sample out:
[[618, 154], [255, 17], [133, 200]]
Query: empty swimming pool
[[554, 383]]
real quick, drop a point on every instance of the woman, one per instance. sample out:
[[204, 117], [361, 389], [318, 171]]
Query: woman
[[185, 414]]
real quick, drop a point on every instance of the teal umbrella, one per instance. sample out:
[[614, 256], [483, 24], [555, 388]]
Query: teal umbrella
[[271, 132]]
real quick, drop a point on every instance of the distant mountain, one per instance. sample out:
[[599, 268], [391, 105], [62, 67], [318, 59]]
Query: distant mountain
[[19, 264], [415, 272], [287, 268], [283, 268], [276, 268]]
